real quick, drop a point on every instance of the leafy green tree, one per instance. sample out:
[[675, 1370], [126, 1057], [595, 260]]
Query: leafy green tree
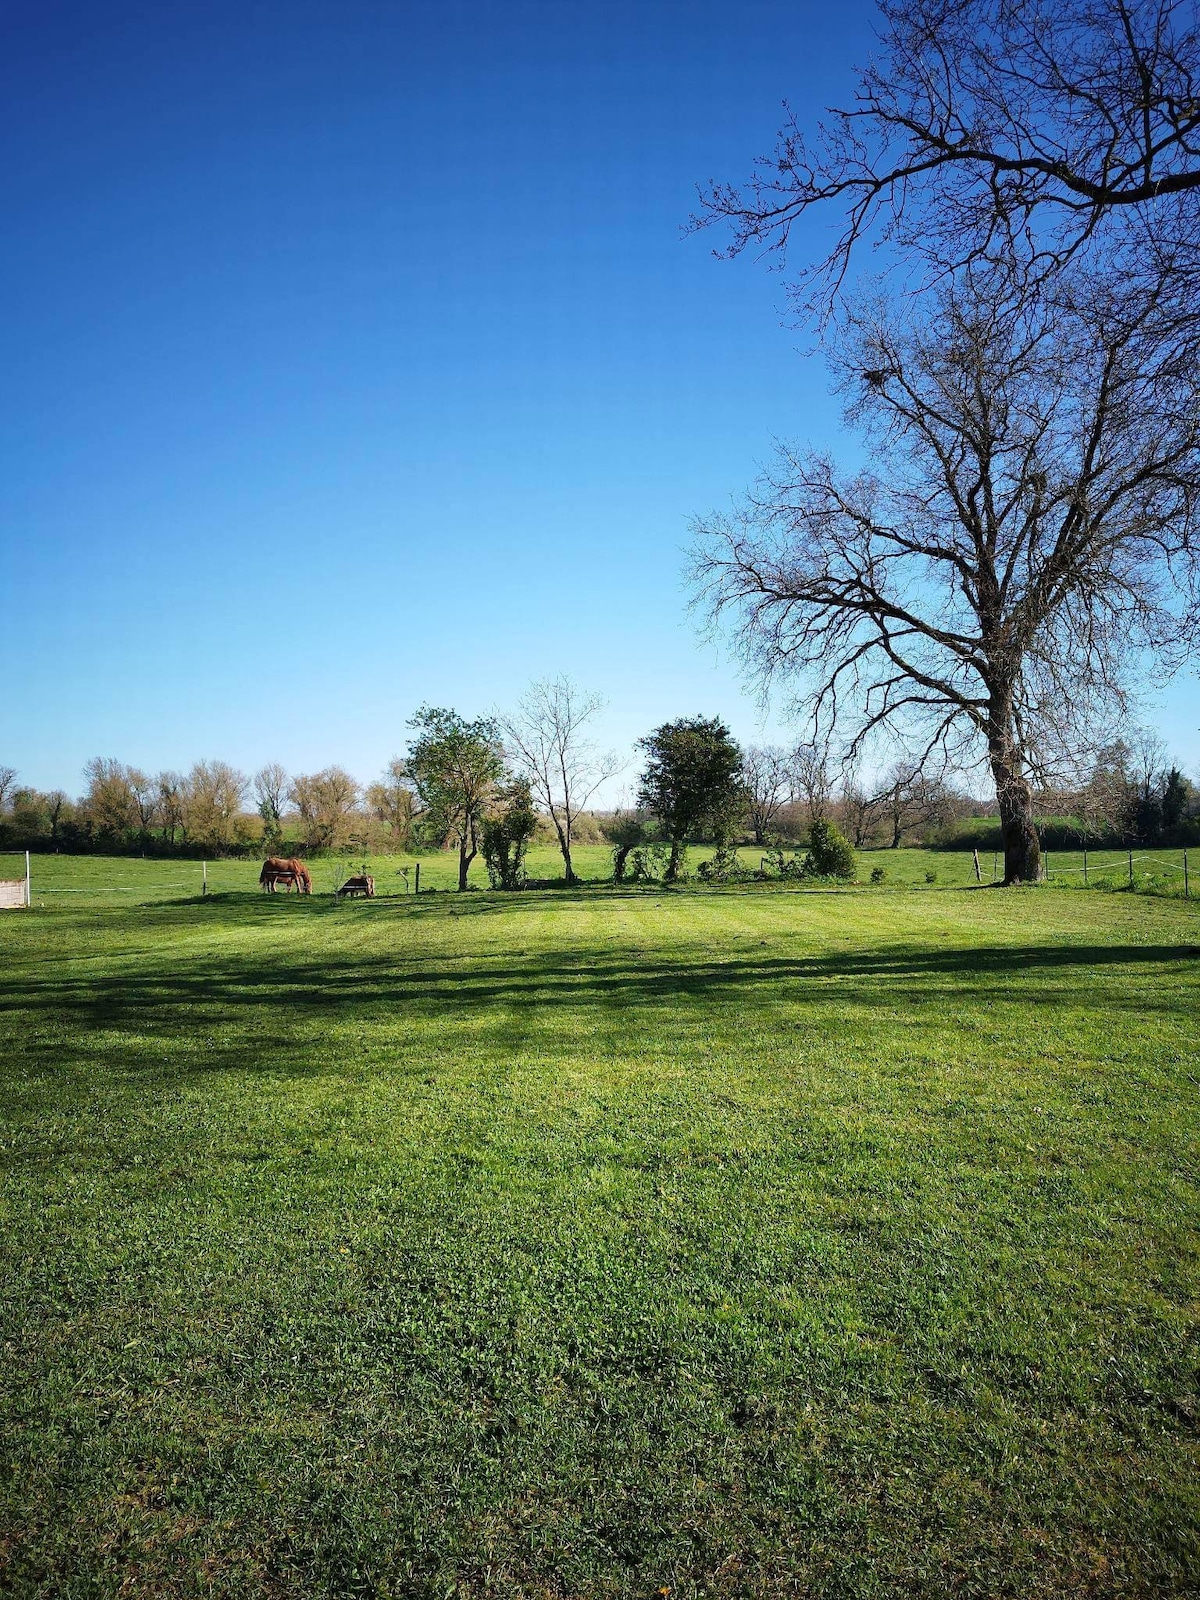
[[456, 768], [692, 781]]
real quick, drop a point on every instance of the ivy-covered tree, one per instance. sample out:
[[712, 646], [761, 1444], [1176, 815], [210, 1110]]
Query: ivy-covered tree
[[506, 835]]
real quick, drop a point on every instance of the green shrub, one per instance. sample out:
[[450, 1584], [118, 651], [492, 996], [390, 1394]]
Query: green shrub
[[829, 853], [721, 867], [878, 875]]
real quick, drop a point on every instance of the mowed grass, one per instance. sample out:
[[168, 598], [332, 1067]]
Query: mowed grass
[[740, 1242]]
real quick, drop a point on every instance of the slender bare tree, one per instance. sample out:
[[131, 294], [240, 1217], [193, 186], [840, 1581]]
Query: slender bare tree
[[8, 778], [1026, 527], [145, 797], [861, 809], [547, 740], [170, 804], [393, 801], [769, 786], [270, 793], [810, 779]]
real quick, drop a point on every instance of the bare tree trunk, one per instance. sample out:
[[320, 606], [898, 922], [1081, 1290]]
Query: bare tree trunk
[[564, 844], [672, 871], [1022, 851]]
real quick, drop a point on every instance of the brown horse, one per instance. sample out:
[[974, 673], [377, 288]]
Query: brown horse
[[291, 872]]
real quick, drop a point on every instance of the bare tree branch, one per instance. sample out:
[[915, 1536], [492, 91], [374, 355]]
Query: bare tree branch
[[1009, 131]]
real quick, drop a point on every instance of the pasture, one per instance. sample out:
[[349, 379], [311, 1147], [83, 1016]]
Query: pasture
[[733, 1242]]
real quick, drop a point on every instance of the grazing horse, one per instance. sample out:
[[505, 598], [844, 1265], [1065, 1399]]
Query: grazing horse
[[356, 887], [292, 873]]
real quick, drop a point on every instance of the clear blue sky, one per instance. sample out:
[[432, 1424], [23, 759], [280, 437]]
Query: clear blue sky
[[354, 358]]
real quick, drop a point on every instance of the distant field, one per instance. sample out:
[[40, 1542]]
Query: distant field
[[59, 881], [740, 1242]]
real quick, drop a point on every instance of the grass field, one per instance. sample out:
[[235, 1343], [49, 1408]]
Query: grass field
[[742, 1242], [59, 881]]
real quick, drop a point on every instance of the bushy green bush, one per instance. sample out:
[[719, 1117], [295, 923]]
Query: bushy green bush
[[878, 875], [721, 867], [829, 853]]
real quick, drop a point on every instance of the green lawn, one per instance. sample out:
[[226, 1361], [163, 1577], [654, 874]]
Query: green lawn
[[741, 1242]]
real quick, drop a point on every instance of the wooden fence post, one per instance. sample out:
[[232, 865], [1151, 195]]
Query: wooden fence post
[[417, 890]]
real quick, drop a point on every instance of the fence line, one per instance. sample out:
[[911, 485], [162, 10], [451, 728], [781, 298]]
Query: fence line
[[1126, 863], [140, 888]]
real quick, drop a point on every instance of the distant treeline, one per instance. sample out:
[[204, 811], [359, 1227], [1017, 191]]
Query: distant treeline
[[772, 796]]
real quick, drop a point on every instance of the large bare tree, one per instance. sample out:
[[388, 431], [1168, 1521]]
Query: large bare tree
[[1026, 526], [912, 798], [547, 739], [1038, 134]]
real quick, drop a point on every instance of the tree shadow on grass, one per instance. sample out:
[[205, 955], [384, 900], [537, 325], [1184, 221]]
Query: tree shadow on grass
[[212, 989]]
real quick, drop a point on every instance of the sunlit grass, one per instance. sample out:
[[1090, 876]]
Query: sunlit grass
[[737, 1242]]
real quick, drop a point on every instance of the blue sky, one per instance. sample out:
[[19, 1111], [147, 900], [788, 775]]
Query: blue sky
[[355, 358]]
